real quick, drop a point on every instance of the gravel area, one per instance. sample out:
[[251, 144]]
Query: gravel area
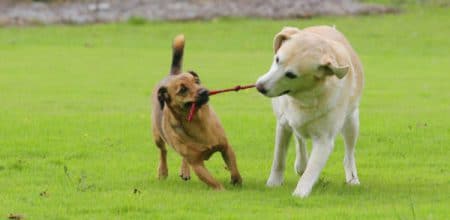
[[14, 12]]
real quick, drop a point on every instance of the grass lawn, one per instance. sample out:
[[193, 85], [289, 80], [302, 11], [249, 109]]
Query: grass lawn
[[75, 137]]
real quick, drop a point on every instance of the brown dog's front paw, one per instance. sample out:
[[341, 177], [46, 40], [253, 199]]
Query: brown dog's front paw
[[236, 180], [162, 176], [185, 177], [218, 188], [185, 172]]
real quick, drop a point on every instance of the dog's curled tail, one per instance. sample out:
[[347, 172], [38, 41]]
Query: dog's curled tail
[[177, 57]]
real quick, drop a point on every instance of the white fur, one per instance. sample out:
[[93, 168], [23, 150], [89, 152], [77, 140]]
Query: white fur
[[320, 113]]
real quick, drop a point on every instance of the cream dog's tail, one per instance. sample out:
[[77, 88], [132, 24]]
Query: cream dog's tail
[[177, 58]]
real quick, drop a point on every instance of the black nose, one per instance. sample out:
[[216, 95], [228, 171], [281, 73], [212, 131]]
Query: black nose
[[202, 97], [261, 88], [203, 92]]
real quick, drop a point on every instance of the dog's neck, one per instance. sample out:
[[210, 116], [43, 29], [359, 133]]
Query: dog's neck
[[180, 117], [309, 98], [316, 97], [197, 129]]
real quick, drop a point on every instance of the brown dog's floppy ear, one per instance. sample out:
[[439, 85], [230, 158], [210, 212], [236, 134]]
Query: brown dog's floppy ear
[[330, 66], [163, 96], [196, 77], [284, 35]]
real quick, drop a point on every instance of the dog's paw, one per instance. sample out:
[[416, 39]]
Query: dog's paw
[[275, 179], [271, 182], [185, 173], [300, 167], [162, 173], [185, 176], [302, 193], [162, 177], [353, 182], [219, 188], [236, 181]]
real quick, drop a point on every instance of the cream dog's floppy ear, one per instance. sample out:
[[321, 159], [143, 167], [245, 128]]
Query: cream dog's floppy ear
[[284, 34], [331, 67], [335, 62]]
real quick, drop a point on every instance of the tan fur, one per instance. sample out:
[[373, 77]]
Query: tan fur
[[195, 141], [178, 42]]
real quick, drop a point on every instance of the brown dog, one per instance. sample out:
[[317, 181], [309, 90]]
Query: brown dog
[[197, 140]]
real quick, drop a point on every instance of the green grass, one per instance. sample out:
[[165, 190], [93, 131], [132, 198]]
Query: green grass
[[75, 122]]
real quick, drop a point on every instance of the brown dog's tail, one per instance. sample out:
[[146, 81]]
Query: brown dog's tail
[[177, 58]]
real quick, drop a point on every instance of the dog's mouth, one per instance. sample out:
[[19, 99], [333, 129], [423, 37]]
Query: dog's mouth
[[285, 92], [188, 105], [198, 103]]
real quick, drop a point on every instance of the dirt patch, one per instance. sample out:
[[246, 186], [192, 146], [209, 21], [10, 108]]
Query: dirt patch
[[82, 12]]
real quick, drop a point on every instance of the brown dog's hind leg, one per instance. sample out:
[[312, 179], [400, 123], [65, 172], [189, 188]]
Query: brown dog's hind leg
[[162, 168], [204, 175], [185, 171], [230, 160]]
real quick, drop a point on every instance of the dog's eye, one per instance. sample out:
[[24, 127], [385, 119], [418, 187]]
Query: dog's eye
[[277, 60], [182, 90], [290, 75]]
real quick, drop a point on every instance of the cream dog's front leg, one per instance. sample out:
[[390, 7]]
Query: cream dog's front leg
[[283, 134], [322, 148]]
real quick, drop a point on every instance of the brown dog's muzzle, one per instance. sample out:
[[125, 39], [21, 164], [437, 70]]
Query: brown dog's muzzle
[[202, 97]]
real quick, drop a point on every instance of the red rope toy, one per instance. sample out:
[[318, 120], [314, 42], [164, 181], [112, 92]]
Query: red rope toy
[[215, 92]]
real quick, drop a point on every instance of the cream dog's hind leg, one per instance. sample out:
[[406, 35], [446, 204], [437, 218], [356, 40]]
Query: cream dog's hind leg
[[350, 133]]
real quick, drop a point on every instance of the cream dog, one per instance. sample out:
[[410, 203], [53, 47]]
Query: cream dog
[[315, 81]]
